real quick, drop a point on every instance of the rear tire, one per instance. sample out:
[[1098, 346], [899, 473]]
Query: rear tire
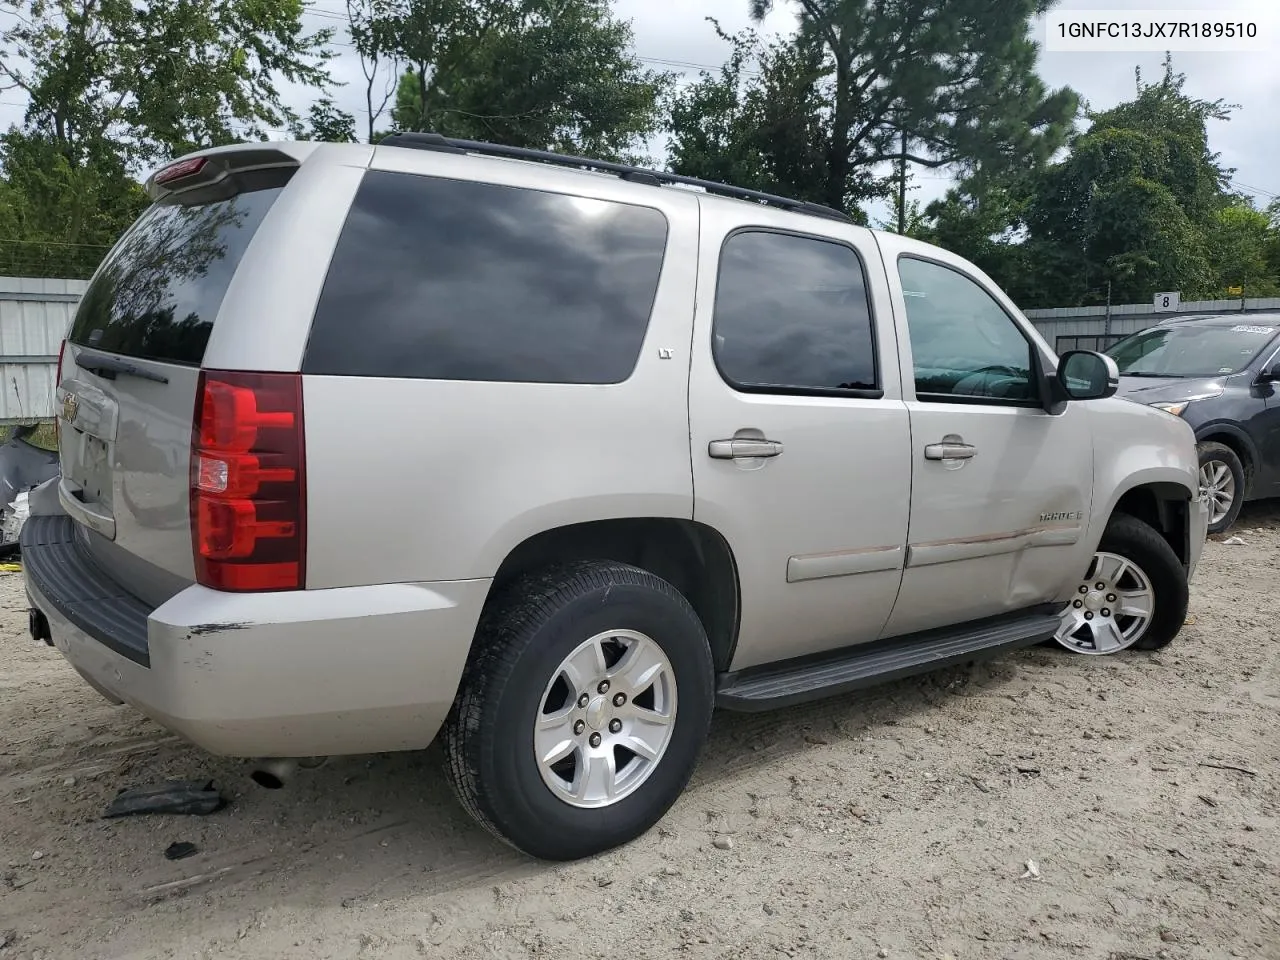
[[542, 682], [1134, 571], [1223, 475]]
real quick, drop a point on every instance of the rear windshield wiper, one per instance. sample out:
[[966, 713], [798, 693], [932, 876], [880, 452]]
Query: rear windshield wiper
[[109, 368]]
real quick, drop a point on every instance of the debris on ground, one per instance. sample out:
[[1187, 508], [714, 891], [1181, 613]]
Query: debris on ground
[[1233, 542], [197, 797], [1032, 872], [180, 850], [23, 466]]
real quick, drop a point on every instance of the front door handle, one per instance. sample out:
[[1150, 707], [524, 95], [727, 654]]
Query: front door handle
[[950, 451], [743, 449]]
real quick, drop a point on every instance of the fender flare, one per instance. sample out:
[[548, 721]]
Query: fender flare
[[1231, 429]]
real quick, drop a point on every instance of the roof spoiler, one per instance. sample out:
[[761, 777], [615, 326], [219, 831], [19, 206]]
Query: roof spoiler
[[205, 168]]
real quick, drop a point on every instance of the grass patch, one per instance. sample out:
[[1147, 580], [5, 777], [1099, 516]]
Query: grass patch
[[44, 436]]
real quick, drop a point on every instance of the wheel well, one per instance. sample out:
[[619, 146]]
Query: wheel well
[[692, 557], [1238, 446], [1164, 507]]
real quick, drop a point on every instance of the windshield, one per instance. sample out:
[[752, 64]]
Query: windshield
[[1190, 351]]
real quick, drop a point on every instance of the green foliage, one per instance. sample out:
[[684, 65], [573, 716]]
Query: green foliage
[[145, 82], [114, 87], [1244, 249], [325, 122], [948, 83], [756, 130], [58, 219], [1140, 203], [548, 74]]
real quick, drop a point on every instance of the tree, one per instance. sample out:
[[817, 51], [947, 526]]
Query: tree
[[378, 70], [937, 83], [1136, 198], [149, 81], [1271, 251], [1240, 241], [325, 121], [113, 87], [759, 123], [557, 74], [1140, 203], [58, 218]]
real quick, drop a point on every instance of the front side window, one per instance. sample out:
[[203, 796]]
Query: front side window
[[792, 314], [963, 343]]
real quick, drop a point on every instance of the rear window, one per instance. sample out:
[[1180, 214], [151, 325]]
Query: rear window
[[157, 295], [451, 280]]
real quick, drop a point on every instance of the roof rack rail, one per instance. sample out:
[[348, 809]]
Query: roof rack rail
[[434, 141]]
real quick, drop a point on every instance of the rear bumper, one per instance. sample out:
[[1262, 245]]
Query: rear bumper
[[308, 673]]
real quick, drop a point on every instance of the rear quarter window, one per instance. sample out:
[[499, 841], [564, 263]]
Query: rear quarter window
[[452, 280]]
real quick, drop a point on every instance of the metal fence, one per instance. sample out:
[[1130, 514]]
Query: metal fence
[[1076, 325], [34, 317]]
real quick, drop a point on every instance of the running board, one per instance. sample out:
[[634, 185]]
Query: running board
[[866, 665]]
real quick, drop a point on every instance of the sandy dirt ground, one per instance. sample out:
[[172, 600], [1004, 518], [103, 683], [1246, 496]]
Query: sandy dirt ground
[[896, 824]]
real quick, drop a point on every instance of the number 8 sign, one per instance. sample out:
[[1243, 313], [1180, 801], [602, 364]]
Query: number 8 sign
[[1167, 301]]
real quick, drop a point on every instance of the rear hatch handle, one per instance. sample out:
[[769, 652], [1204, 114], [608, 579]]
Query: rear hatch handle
[[109, 368]]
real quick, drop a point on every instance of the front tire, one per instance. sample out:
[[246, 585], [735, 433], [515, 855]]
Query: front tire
[[583, 710], [1222, 476], [1134, 594]]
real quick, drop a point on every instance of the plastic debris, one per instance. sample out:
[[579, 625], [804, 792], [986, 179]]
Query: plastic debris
[[1233, 542], [14, 517], [192, 797], [1032, 872], [180, 850]]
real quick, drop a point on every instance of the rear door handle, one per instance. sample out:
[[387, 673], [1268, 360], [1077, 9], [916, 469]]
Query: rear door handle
[[741, 449], [950, 451]]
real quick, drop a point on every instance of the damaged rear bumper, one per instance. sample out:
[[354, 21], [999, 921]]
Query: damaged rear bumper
[[323, 672]]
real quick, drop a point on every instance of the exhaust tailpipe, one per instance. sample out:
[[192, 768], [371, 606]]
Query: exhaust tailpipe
[[274, 773]]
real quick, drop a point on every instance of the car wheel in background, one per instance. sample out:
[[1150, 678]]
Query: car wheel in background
[[1222, 477], [1134, 594]]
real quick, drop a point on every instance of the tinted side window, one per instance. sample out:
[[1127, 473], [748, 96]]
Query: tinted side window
[[158, 295], [963, 344], [792, 313], [452, 280]]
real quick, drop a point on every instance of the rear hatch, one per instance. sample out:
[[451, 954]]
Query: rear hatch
[[130, 371]]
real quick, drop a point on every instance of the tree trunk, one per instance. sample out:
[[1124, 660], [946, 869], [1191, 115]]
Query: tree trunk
[[838, 166], [902, 183]]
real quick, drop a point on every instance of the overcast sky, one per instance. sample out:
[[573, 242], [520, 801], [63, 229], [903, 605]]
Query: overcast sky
[[674, 35]]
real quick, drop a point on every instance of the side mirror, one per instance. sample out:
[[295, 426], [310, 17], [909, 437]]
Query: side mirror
[[1085, 375], [1271, 374]]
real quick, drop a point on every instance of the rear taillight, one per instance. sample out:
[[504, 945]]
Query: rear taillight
[[181, 169], [62, 352], [248, 482]]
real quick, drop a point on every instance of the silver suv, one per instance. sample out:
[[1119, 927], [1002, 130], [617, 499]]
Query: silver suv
[[363, 446]]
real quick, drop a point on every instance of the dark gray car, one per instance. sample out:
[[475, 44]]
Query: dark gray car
[[1218, 373]]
